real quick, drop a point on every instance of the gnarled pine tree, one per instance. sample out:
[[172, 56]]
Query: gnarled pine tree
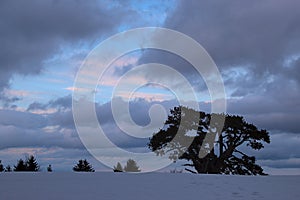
[[224, 157]]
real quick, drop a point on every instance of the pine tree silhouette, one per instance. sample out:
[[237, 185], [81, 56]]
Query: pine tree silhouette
[[83, 166], [131, 166], [1, 167], [32, 165], [49, 168], [118, 168], [21, 166]]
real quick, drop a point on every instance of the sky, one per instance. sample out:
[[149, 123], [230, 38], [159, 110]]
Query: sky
[[255, 45]]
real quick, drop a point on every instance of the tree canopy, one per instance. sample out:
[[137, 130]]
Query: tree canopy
[[224, 157]]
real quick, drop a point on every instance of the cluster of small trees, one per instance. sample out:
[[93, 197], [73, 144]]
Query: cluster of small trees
[[29, 164], [85, 166], [131, 166]]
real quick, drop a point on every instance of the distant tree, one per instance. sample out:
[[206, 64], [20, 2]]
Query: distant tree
[[31, 164], [83, 166], [225, 155], [21, 166], [1, 167], [8, 168], [49, 168], [131, 166], [118, 168]]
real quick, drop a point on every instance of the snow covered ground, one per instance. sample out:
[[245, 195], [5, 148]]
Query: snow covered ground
[[152, 186]]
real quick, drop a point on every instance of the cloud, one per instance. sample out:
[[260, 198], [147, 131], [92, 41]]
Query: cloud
[[17, 137], [39, 129], [274, 107], [32, 32], [250, 42], [283, 146], [282, 153], [60, 121], [22, 119], [293, 69], [61, 102], [139, 113], [55, 132], [256, 33], [255, 46], [287, 163]]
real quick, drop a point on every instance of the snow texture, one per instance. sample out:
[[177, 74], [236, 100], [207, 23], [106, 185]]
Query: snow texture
[[149, 186]]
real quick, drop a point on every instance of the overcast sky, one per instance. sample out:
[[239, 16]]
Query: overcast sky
[[255, 44]]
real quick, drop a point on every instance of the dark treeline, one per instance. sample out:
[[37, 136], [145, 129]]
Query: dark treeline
[[30, 164]]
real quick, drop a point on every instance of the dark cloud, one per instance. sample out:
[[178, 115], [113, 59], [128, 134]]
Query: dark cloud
[[62, 119], [282, 152], [283, 146], [249, 41], [258, 33], [273, 114], [23, 120], [274, 107], [139, 112], [175, 61], [62, 115], [62, 128], [64, 102], [7, 101], [17, 137], [256, 47], [287, 163], [293, 70], [36, 106], [34, 31], [26, 129]]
